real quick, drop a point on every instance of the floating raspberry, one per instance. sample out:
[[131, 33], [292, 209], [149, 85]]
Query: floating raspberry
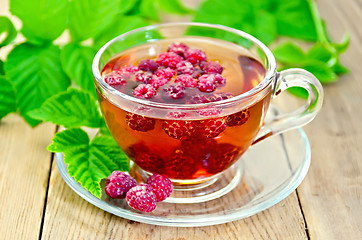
[[210, 128], [144, 77], [207, 83], [144, 91], [141, 198], [175, 91], [220, 96], [185, 67], [128, 69], [186, 80], [166, 73], [179, 129], [118, 184], [148, 65], [148, 161], [139, 122], [178, 48], [195, 56], [198, 98], [212, 67], [180, 165], [161, 185], [168, 59], [238, 118], [115, 79], [158, 81], [209, 112], [219, 79], [224, 155]]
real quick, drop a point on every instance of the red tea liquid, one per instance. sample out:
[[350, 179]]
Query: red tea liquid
[[202, 155]]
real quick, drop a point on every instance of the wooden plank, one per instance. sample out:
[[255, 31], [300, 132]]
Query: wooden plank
[[24, 173], [70, 217], [331, 194]]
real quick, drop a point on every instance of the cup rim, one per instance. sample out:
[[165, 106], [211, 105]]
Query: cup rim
[[270, 70]]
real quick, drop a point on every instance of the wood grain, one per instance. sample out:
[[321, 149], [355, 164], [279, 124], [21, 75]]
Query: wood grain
[[24, 172], [70, 217], [331, 193]]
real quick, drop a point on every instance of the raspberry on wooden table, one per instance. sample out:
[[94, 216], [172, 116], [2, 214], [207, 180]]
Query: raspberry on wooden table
[[118, 184], [141, 198], [162, 186]]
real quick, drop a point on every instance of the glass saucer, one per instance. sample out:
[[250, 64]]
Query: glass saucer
[[272, 169]]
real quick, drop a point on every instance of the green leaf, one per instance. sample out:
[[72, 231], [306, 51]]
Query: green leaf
[[8, 31], [173, 6], [120, 25], [342, 47], [289, 53], [148, 9], [265, 27], [89, 162], [127, 5], [319, 52], [73, 108], [88, 18], [299, 92], [7, 97], [37, 75], [294, 19], [2, 68], [338, 68], [43, 21], [321, 70], [77, 63]]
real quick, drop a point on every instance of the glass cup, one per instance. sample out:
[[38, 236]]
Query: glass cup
[[201, 166]]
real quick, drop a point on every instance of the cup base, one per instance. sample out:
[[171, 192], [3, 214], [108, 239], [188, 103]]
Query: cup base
[[197, 191]]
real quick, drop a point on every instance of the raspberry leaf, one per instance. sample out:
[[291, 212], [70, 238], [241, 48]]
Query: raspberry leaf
[[127, 5], [42, 21], [7, 97], [90, 17], [89, 161], [321, 70], [289, 53], [36, 74], [77, 63], [7, 28], [73, 108]]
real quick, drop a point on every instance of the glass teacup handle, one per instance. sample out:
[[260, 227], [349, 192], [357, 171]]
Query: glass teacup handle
[[294, 77]]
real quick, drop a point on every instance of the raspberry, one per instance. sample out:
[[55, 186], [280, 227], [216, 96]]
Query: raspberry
[[158, 81], [180, 165], [186, 80], [195, 56], [128, 69], [115, 79], [198, 150], [141, 198], [168, 59], [178, 48], [148, 161], [139, 122], [209, 112], [144, 77], [179, 129], [166, 73], [210, 128], [212, 67], [118, 184], [175, 91], [223, 156], [144, 91], [238, 118], [220, 96], [161, 185], [197, 72], [206, 83], [185, 67], [148, 65], [198, 98], [209, 82]]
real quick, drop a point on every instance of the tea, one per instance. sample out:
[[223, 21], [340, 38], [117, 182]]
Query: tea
[[177, 144]]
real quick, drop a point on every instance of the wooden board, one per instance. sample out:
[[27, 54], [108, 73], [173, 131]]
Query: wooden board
[[24, 173]]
